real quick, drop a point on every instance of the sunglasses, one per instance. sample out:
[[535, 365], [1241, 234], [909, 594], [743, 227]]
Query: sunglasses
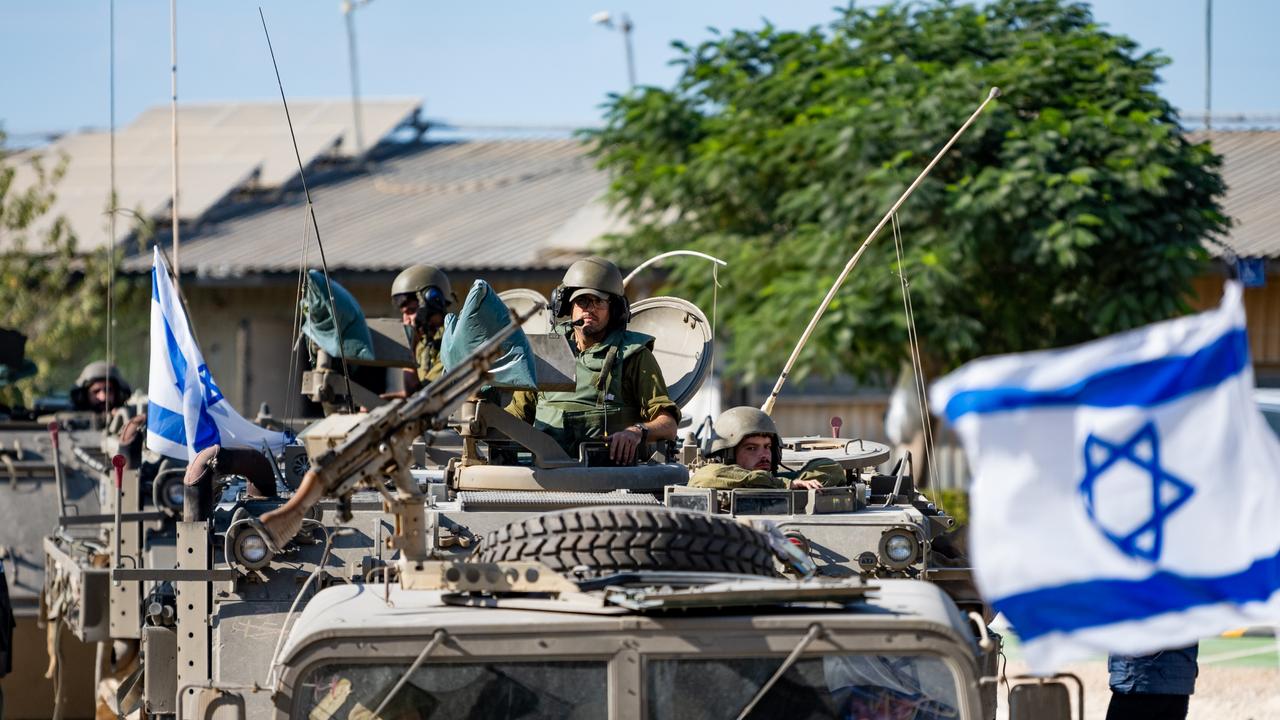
[[587, 302]]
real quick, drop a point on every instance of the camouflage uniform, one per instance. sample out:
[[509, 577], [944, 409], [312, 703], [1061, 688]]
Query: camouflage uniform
[[434, 293], [427, 353], [731, 477]]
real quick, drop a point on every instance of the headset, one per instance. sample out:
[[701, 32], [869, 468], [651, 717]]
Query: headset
[[561, 307], [431, 301]]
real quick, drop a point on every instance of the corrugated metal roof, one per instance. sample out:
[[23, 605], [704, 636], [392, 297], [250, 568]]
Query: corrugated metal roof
[[222, 147], [496, 205], [1251, 170]]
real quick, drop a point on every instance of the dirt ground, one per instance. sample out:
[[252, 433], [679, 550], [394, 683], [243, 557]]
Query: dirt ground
[[1229, 687]]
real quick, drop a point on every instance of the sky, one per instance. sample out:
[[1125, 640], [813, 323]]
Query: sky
[[490, 62]]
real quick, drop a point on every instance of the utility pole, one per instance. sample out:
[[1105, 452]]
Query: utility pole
[[348, 10], [1208, 64], [626, 28]]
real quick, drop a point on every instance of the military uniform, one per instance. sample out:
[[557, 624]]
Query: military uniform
[[434, 293], [606, 399], [736, 425], [427, 353], [720, 476]]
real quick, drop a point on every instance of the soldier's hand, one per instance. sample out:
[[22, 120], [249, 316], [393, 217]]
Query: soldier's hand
[[622, 446], [806, 484]]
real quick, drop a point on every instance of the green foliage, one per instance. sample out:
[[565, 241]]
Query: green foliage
[[57, 295], [1074, 207], [955, 501]]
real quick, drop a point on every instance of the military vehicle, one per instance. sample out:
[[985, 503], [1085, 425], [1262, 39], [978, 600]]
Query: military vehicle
[[53, 457], [484, 551]]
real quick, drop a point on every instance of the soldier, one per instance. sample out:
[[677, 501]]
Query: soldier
[[621, 396], [99, 388], [423, 295], [748, 450]]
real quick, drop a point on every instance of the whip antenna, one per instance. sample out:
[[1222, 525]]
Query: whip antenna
[[311, 208], [767, 407]]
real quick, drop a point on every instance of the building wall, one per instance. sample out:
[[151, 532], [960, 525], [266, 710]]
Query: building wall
[[1262, 313]]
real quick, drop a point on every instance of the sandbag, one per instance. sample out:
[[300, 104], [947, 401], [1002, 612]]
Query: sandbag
[[318, 325], [483, 314]]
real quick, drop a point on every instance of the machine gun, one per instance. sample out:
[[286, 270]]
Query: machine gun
[[380, 446]]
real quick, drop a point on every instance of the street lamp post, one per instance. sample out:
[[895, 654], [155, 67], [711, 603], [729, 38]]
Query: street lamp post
[[624, 26]]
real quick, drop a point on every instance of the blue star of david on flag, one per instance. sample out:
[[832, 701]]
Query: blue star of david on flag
[[1167, 493], [186, 412]]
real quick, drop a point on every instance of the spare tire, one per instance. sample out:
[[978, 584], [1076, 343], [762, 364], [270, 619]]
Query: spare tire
[[607, 540]]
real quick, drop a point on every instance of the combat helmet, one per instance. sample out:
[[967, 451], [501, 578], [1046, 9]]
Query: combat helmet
[[93, 372], [592, 276], [418, 280], [735, 425]]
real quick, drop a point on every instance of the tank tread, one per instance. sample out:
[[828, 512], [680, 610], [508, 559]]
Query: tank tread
[[607, 540]]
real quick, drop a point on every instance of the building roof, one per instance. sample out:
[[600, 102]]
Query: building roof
[[525, 204], [222, 148], [1251, 170]]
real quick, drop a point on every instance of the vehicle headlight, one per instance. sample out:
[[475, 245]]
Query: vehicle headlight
[[174, 492], [898, 549], [251, 549], [168, 492]]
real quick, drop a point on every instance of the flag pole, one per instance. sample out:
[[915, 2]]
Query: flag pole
[[173, 129], [767, 407]]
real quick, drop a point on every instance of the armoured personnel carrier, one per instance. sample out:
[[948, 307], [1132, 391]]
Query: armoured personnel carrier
[[495, 548]]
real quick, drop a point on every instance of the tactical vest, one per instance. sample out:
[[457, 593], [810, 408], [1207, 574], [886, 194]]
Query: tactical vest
[[596, 406]]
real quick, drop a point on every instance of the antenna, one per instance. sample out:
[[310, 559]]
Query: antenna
[[822, 308], [311, 208]]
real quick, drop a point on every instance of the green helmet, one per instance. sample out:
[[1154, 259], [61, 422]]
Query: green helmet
[[591, 276], [94, 372], [417, 279], [100, 370], [736, 424], [595, 273]]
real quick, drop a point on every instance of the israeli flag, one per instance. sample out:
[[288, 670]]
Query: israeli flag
[[186, 412], [1125, 495]]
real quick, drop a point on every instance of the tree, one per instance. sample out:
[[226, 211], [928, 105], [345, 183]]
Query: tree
[[56, 294], [1073, 208]]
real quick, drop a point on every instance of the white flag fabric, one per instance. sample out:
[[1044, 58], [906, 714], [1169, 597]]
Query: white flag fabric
[[1126, 491], [186, 412]]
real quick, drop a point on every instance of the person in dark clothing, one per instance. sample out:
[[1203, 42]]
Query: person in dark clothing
[[1152, 687], [7, 624]]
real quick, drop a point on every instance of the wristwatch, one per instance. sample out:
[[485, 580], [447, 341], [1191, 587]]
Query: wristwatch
[[644, 432]]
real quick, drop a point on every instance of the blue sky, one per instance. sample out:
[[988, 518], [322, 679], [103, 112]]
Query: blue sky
[[509, 63]]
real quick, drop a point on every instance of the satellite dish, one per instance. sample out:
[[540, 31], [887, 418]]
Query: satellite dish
[[522, 300], [682, 342]]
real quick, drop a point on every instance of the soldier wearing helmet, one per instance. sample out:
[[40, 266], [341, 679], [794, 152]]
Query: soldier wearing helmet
[[99, 388], [422, 294], [746, 451], [621, 397]]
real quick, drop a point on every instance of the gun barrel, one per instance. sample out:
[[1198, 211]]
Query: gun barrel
[[366, 449]]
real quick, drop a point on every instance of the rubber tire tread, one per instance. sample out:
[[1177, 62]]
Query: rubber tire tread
[[607, 540]]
